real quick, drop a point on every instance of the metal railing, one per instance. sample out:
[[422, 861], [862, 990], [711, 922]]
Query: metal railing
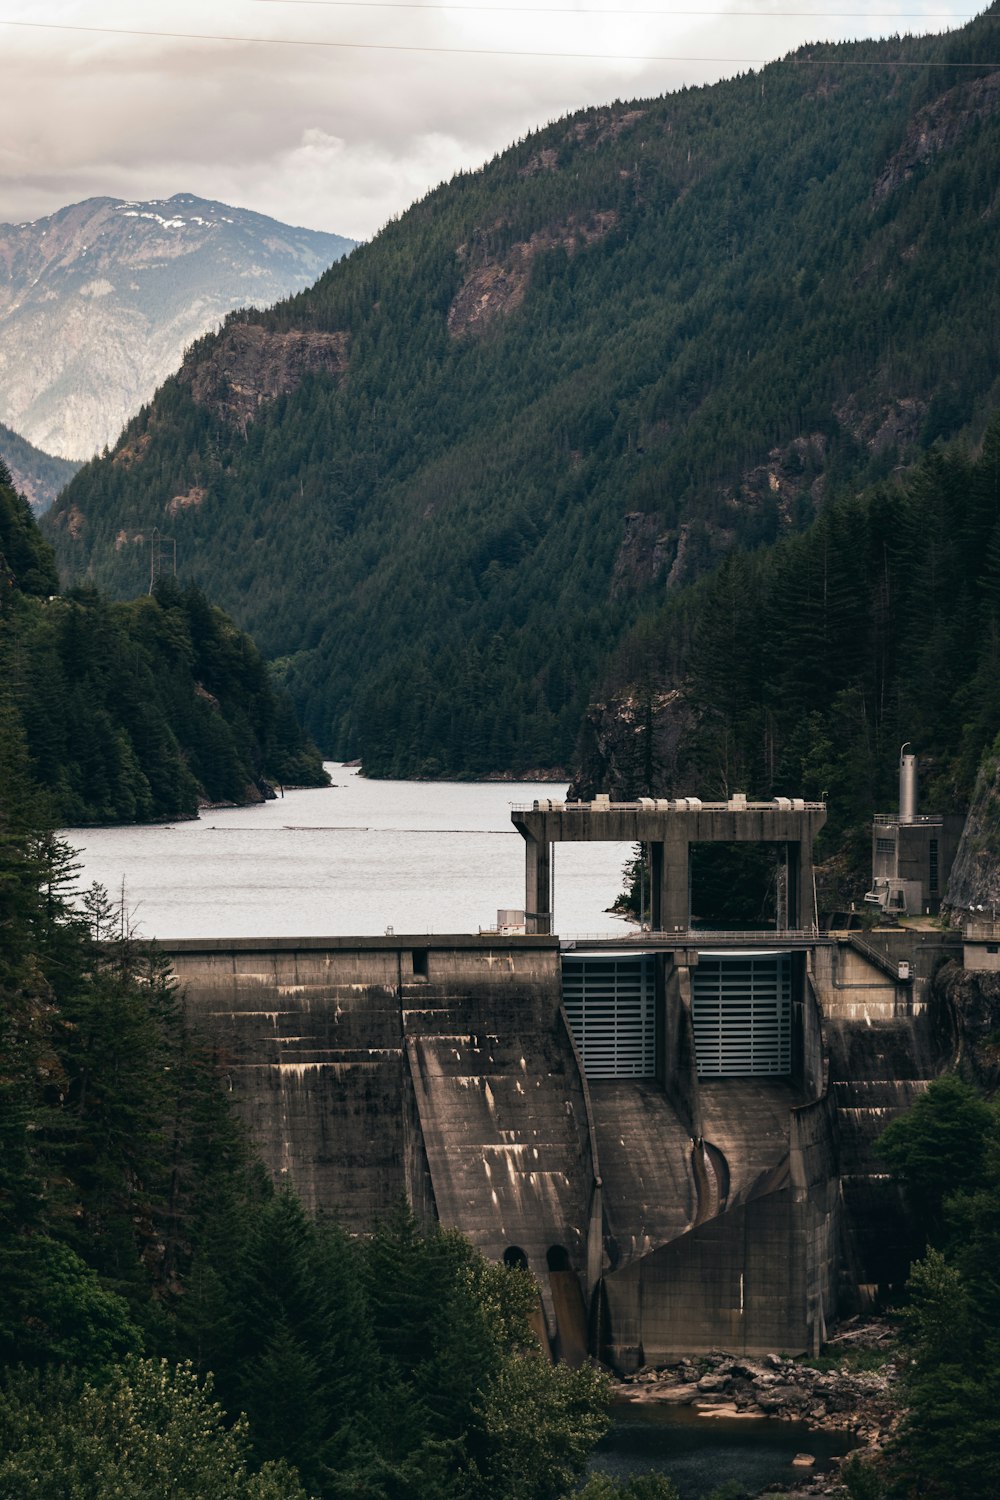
[[876, 956], [929, 819], [692, 937], [981, 929], [677, 804]]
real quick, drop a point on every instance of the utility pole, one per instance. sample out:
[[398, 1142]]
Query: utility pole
[[156, 545]]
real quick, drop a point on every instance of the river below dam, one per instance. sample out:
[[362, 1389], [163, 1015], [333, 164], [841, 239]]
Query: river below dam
[[700, 1454], [352, 859]]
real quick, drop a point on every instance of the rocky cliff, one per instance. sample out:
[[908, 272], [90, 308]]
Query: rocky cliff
[[636, 744], [975, 875], [250, 365], [99, 301], [972, 998]]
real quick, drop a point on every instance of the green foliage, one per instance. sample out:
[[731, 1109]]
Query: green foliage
[[290, 1340], [114, 1137], [714, 290], [939, 1147], [403, 1366], [642, 1487], [131, 1221], [26, 561], [131, 712], [854, 1361], [539, 1424], [55, 1309], [949, 1440], [807, 664], [43, 474], [862, 1481], [152, 1429]]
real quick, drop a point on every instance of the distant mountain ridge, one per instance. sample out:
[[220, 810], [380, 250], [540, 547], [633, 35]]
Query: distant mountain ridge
[[99, 300], [36, 475], [442, 485]]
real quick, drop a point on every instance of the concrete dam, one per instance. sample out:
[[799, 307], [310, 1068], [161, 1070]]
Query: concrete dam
[[673, 1132]]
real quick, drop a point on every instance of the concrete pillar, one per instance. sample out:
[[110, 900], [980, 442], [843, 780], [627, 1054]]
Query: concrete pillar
[[801, 894], [655, 885], [537, 886], [673, 908]]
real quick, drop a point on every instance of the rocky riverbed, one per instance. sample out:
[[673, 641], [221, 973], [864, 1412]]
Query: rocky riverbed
[[853, 1389]]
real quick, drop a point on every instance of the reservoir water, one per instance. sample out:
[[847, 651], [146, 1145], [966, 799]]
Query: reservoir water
[[354, 858], [700, 1454]]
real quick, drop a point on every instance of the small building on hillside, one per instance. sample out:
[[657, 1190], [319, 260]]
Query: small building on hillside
[[981, 941], [912, 852]]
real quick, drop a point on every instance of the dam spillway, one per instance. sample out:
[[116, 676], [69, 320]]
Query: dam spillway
[[672, 1131], [694, 1208]]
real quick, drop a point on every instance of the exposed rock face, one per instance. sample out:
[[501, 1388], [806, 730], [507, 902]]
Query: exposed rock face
[[647, 553], [975, 875], [790, 475], [249, 365], [99, 301], [602, 125], [785, 491], [541, 161], [936, 128], [191, 501], [897, 424], [634, 743], [496, 286], [974, 1001]]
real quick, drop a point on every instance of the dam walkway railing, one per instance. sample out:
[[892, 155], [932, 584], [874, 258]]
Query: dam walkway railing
[[698, 938]]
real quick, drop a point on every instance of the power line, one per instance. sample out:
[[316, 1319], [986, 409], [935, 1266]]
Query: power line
[[285, 41], [565, 10]]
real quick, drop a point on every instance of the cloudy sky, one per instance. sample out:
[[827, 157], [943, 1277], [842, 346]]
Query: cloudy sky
[[338, 115]]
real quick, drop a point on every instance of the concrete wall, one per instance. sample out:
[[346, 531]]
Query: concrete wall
[[696, 1213], [501, 1110], [735, 1282], [855, 988], [981, 955], [881, 1052], [438, 1068], [310, 1042]]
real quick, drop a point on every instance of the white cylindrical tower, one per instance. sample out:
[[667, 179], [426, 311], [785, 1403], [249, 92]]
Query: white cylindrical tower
[[907, 787]]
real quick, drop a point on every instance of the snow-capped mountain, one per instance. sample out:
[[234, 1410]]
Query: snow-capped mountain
[[99, 300]]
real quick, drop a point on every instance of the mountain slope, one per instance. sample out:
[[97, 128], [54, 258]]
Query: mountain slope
[[136, 711], [439, 485], [801, 669], [36, 475], [99, 301]]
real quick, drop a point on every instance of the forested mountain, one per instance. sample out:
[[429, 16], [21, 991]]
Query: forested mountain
[[440, 485], [139, 710], [802, 667], [36, 475], [99, 300]]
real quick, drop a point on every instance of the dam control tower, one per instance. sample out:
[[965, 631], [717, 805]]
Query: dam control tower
[[669, 827]]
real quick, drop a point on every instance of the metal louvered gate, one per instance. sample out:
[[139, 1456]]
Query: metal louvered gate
[[742, 1014], [609, 1005]]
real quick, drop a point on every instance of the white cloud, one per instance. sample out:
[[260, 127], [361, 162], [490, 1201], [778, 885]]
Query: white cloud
[[335, 138]]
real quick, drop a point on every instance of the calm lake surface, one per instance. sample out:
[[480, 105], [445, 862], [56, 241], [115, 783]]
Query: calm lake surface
[[701, 1453], [350, 859]]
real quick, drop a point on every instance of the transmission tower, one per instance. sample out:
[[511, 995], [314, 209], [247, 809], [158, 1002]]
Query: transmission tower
[[157, 546]]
